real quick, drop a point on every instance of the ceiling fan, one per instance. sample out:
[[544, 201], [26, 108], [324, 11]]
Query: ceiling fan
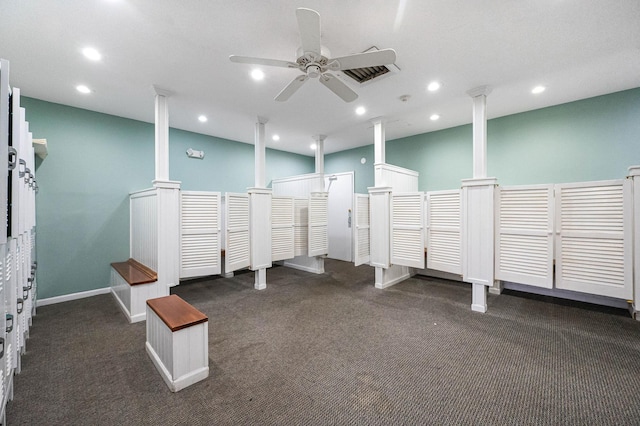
[[315, 62]]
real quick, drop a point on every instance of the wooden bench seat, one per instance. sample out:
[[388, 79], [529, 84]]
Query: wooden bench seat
[[135, 272], [177, 341], [132, 284], [176, 313]]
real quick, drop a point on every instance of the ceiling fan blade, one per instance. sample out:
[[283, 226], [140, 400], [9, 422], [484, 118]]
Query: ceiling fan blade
[[291, 88], [338, 87], [363, 60], [262, 61], [309, 26]]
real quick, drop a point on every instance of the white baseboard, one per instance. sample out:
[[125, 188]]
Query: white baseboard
[[72, 296], [303, 268], [383, 285]]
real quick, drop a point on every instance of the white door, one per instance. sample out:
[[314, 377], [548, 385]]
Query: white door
[[340, 188], [199, 234], [318, 224], [444, 251], [407, 227], [363, 231], [237, 250], [593, 246], [282, 228], [524, 235]]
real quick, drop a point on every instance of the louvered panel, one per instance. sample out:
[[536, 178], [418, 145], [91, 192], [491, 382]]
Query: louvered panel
[[300, 223], [363, 237], [282, 228], [407, 238], [594, 238], [301, 240], [524, 238], [444, 252], [301, 212], [318, 222], [199, 234], [237, 249]]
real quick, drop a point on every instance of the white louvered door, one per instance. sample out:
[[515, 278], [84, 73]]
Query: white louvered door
[[199, 234], [237, 250], [282, 228], [524, 235], [318, 224], [444, 251], [407, 226], [593, 246], [363, 230], [300, 226]]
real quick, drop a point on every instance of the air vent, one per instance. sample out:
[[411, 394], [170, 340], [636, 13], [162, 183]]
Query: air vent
[[368, 74]]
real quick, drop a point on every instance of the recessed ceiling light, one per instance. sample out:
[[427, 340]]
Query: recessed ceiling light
[[538, 89], [275, 137], [202, 119], [360, 110], [434, 117], [313, 146], [257, 74], [433, 86], [83, 89], [91, 53]]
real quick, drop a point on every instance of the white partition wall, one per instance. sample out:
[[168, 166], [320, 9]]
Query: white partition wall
[[634, 176], [199, 234], [282, 228], [260, 228], [237, 250], [594, 238], [398, 178], [407, 229], [363, 234], [443, 231], [524, 235], [380, 216], [144, 227], [5, 108]]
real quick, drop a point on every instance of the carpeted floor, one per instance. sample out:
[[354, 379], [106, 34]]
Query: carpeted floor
[[331, 349]]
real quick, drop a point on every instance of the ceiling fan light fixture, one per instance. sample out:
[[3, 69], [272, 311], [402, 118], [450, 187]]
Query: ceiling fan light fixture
[[257, 74]]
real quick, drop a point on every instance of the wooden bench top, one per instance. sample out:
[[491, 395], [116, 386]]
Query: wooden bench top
[[135, 272], [176, 313]]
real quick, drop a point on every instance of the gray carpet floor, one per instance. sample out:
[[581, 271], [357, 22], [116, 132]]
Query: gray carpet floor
[[331, 349]]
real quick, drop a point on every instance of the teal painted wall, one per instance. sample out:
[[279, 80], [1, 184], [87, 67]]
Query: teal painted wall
[[349, 161], [95, 160], [591, 139]]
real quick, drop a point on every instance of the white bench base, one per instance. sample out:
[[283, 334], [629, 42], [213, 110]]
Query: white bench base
[[132, 299], [181, 357]]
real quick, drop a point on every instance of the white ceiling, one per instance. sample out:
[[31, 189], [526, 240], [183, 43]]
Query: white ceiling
[[576, 48]]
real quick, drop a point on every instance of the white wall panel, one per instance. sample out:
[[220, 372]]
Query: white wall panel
[[199, 234], [260, 228], [318, 224], [397, 178], [524, 235], [282, 228], [144, 227], [237, 250], [363, 231], [444, 231], [594, 244], [407, 222], [298, 186]]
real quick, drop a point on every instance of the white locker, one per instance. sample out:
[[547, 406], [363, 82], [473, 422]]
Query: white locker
[[199, 234], [318, 224], [237, 250], [363, 230], [594, 238], [282, 228], [524, 235], [444, 225], [407, 227]]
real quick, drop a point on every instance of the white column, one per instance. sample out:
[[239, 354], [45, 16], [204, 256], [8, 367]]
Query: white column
[[319, 141], [479, 95], [479, 209], [634, 174], [379, 142], [260, 212], [162, 133], [260, 148]]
